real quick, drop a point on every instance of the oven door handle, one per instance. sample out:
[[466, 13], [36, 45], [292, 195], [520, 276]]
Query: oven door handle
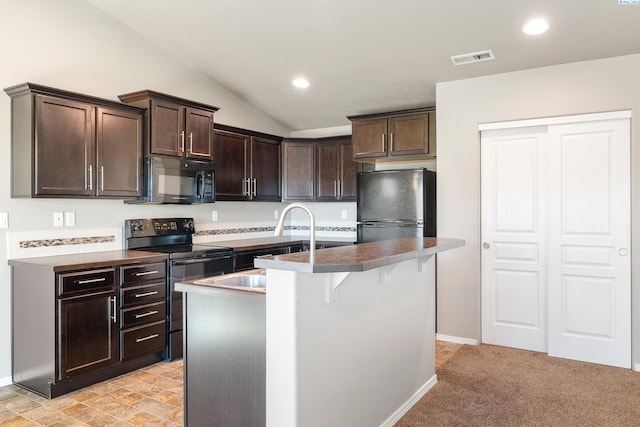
[[199, 260]]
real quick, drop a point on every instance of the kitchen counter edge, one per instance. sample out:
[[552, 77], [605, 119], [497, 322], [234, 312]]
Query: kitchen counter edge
[[360, 257], [81, 261]]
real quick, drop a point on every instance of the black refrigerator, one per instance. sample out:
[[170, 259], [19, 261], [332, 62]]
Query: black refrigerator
[[396, 203]]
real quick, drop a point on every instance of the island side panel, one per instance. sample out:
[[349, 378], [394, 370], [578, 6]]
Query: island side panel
[[364, 358], [281, 349]]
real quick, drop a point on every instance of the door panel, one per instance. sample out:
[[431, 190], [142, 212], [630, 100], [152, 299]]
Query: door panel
[[589, 242], [199, 134], [513, 228]]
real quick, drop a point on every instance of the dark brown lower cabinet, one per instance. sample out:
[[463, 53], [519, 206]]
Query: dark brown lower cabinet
[[77, 324], [88, 336]]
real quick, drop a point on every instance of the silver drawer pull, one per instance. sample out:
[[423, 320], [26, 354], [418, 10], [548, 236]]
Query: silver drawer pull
[[146, 273], [150, 337], [149, 313], [146, 294], [84, 282]]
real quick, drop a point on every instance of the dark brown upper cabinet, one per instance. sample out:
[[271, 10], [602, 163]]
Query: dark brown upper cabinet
[[298, 170], [336, 172], [319, 169], [65, 144], [175, 126], [403, 135], [248, 165]]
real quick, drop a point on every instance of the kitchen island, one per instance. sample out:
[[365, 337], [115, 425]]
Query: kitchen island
[[350, 339]]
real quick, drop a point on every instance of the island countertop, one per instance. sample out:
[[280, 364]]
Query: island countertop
[[360, 257]]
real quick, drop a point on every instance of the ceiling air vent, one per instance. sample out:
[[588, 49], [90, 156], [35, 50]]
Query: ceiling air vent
[[468, 58]]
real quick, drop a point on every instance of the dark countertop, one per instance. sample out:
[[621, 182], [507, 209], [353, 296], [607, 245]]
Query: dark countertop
[[269, 242], [80, 261], [360, 257]]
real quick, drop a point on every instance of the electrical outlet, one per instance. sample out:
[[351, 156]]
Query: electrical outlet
[[70, 219], [214, 215], [4, 219], [58, 219], [344, 214], [276, 214]]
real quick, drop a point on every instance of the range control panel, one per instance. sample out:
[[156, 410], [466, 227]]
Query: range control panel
[[158, 227]]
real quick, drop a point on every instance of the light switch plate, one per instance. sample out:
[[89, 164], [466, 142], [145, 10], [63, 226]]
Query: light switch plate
[[276, 214], [70, 219], [344, 214], [214, 215], [4, 219], [58, 219]]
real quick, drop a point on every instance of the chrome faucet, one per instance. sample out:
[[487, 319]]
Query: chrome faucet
[[312, 227]]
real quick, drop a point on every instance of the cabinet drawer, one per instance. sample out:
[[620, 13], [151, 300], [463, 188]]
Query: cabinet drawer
[[133, 274], [136, 316], [143, 294], [86, 280], [143, 340]]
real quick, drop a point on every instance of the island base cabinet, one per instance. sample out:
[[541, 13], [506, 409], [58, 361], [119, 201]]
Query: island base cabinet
[[225, 365], [349, 349]]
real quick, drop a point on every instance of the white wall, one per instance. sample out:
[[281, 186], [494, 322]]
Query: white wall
[[585, 87], [72, 45]]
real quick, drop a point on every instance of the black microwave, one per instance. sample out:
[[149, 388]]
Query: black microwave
[[171, 180]]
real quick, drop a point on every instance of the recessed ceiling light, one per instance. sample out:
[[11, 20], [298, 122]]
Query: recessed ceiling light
[[300, 83], [535, 27]]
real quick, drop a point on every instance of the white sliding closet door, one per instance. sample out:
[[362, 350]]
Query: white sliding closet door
[[589, 265], [513, 232], [556, 272]]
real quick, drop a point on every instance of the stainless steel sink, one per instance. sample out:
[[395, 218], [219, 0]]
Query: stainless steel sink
[[251, 280], [247, 281]]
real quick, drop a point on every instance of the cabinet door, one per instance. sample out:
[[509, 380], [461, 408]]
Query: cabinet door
[[265, 169], [327, 185], [231, 158], [409, 134], [87, 333], [167, 133], [369, 138], [348, 172], [64, 148], [119, 153], [298, 171], [199, 134]]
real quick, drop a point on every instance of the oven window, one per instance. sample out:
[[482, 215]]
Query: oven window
[[190, 270]]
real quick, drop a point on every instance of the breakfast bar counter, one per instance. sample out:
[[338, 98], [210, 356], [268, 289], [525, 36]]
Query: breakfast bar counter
[[350, 338]]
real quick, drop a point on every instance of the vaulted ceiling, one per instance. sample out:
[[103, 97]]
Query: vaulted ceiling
[[364, 56]]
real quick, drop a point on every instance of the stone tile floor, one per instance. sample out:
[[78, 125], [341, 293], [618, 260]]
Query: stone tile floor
[[150, 397]]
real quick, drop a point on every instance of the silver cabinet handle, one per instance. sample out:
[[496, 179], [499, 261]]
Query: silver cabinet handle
[[335, 188], [340, 189], [113, 309], [146, 273], [90, 177], [383, 143], [148, 313], [623, 252], [84, 282], [255, 187], [191, 142], [486, 245], [101, 178], [244, 187], [391, 142], [182, 141], [146, 294], [150, 337]]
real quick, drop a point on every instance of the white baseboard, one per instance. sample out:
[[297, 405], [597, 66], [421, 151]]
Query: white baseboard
[[636, 367], [5, 381], [456, 340], [395, 417]]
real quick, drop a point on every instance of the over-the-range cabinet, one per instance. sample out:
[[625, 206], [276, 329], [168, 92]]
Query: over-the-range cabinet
[[248, 165]]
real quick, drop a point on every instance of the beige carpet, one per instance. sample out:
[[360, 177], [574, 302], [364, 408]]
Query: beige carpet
[[496, 386]]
